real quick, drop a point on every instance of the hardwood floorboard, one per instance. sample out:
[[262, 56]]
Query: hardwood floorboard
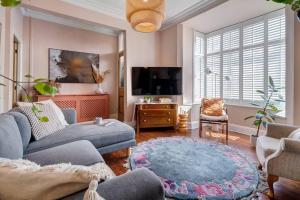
[[284, 189]]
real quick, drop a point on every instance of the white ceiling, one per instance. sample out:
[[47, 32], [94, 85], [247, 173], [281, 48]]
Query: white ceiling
[[229, 13], [177, 11], [116, 8]]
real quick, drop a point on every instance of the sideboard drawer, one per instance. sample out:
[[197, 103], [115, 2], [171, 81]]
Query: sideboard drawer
[[157, 113], [156, 106], [146, 122]]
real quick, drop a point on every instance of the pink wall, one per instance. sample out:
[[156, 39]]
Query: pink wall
[[142, 49], [11, 25], [45, 35]]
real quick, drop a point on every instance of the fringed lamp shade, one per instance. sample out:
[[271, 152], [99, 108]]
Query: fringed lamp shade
[[145, 15]]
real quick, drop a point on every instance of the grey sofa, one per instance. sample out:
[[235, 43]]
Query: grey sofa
[[77, 146]]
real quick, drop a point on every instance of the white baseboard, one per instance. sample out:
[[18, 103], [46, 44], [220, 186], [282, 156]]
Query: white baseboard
[[193, 125], [232, 127]]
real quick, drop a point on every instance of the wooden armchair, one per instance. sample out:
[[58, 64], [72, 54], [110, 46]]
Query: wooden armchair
[[212, 111]]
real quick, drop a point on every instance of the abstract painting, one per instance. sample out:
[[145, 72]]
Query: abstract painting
[[72, 67]]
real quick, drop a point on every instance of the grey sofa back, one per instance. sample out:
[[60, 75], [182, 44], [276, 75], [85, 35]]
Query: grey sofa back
[[24, 127], [11, 145]]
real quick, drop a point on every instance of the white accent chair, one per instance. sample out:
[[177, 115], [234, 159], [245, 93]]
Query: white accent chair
[[278, 153]]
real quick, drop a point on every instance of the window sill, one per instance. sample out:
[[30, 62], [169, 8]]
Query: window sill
[[246, 105]]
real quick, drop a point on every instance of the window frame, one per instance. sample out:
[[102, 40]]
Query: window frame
[[265, 44]]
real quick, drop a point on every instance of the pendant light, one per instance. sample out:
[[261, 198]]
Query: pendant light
[[145, 15]]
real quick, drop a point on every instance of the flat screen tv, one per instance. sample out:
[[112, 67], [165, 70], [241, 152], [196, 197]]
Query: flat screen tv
[[156, 81], [72, 66]]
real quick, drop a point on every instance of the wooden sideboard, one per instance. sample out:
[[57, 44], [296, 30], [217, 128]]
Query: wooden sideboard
[[156, 115], [88, 107]]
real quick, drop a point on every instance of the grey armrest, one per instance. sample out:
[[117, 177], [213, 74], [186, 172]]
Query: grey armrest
[[140, 184], [279, 131], [70, 115]]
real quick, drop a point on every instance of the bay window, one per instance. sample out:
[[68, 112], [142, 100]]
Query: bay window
[[234, 62]]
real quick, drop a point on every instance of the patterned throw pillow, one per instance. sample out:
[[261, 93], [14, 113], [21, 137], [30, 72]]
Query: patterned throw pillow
[[42, 129], [213, 107]]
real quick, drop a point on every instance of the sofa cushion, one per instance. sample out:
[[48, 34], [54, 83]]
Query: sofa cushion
[[24, 127], [135, 185], [99, 136], [42, 129], [11, 146], [50, 102], [77, 153]]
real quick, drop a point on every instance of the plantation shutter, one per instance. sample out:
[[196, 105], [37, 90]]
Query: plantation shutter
[[231, 67], [231, 64], [277, 51], [253, 61], [213, 78], [213, 66], [198, 69]]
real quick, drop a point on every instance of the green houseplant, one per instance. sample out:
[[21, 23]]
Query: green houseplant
[[42, 86], [267, 109], [295, 5], [10, 3]]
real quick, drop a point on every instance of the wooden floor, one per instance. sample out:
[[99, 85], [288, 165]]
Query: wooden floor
[[284, 189]]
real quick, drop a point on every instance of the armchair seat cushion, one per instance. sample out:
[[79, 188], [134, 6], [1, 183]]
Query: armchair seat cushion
[[77, 153], [265, 146], [214, 118]]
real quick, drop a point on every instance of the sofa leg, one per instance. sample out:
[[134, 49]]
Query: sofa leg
[[271, 180], [200, 128]]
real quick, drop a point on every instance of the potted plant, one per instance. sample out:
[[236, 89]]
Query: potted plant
[[99, 78], [295, 5], [148, 99], [267, 110], [43, 86]]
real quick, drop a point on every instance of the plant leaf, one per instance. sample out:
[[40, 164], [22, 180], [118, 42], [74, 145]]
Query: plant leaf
[[44, 119], [271, 81], [250, 117], [260, 91], [10, 3], [28, 76], [254, 104], [256, 122]]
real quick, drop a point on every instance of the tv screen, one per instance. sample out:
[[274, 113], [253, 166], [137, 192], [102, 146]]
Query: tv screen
[[157, 81], [72, 67]]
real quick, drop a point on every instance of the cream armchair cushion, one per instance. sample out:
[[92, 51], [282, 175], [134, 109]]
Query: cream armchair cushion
[[265, 146]]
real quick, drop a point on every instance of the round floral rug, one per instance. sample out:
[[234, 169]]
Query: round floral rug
[[196, 169]]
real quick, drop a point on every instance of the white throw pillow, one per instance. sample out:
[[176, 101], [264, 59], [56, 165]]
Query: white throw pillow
[[295, 134], [22, 179], [58, 111], [42, 129]]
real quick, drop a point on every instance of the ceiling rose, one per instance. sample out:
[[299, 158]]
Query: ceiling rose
[[145, 15]]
